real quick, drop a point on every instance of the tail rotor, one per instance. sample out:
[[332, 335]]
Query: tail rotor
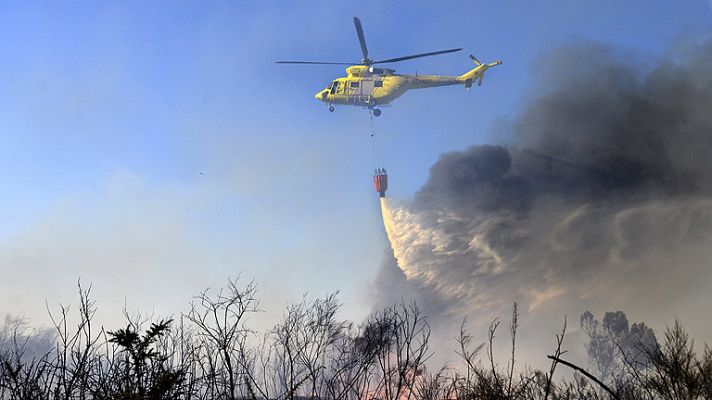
[[475, 60], [478, 73], [483, 68]]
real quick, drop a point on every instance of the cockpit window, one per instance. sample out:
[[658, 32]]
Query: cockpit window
[[334, 87], [378, 84]]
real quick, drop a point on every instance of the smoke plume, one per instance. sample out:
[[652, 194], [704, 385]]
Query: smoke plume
[[600, 200]]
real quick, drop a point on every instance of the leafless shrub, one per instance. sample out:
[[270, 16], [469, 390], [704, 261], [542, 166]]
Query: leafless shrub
[[220, 320], [211, 353]]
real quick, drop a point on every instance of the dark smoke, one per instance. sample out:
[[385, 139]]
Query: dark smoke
[[600, 200]]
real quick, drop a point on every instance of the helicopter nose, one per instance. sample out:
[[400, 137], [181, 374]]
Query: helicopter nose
[[320, 95]]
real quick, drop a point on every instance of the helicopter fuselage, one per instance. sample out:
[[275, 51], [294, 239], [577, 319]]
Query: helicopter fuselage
[[369, 87]]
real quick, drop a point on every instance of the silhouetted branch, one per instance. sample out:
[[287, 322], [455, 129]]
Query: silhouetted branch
[[585, 373]]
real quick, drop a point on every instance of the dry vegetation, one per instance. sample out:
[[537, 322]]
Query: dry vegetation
[[211, 353]]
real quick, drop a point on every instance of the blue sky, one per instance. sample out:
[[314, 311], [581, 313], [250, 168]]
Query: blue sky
[[154, 148]]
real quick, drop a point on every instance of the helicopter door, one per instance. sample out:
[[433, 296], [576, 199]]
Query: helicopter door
[[366, 87]]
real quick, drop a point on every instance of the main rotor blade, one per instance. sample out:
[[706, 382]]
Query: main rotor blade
[[434, 53], [313, 62], [361, 38]]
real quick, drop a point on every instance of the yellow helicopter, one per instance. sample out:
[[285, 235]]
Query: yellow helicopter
[[368, 86]]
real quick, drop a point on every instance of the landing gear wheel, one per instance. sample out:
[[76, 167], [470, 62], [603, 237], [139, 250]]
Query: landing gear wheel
[[331, 108], [376, 112]]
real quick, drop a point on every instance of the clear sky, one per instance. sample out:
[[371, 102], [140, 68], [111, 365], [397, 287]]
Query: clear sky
[[154, 148]]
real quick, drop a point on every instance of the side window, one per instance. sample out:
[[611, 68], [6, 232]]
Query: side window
[[334, 87], [378, 84], [354, 84]]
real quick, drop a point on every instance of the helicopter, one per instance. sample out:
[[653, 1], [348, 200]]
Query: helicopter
[[369, 86]]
